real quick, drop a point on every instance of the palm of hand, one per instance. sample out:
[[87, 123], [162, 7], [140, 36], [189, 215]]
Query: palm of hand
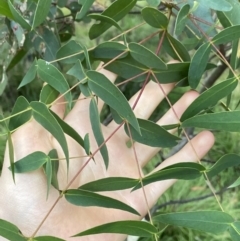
[[25, 203]]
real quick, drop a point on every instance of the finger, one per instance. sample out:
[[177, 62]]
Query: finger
[[149, 100], [202, 143], [145, 153]]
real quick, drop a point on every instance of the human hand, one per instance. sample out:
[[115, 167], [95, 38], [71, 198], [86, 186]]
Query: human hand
[[25, 204]]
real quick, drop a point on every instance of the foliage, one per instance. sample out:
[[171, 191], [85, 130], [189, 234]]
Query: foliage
[[199, 35]]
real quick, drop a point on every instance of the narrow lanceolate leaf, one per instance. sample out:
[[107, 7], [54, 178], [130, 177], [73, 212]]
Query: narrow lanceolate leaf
[[41, 12], [87, 144], [22, 107], [5, 10], [70, 52], [48, 94], [181, 19], [146, 57], [155, 18], [182, 171], [48, 172], [30, 162], [86, 4], [55, 78], [222, 5], [87, 199], [11, 155], [18, 17], [235, 184], [234, 231], [30, 75], [97, 131], [116, 11], [227, 35], [109, 50], [10, 231], [78, 71], [224, 121], [110, 184], [198, 65], [112, 96], [55, 164], [48, 238], [44, 117], [214, 222], [152, 134], [135, 228], [210, 97], [223, 163]]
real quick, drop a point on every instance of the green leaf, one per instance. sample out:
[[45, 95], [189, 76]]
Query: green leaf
[[48, 238], [30, 75], [97, 131], [45, 118], [235, 184], [55, 164], [110, 184], [154, 2], [214, 222], [87, 199], [155, 18], [116, 117], [109, 50], [146, 57], [48, 94], [18, 17], [112, 96], [222, 5], [68, 130], [21, 53], [181, 20], [10, 231], [41, 12], [30, 162], [78, 72], [11, 155], [5, 10], [87, 59], [87, 144], [234, 231], [210, 97], [48, 172], [117, 10], [226, 161], [135, 228], [86, 4], [18, 118], [55, 78], [152, 134], [4, 81], [227, 35], [175, 48], [70, 52], [227, 121], [198, 65], [181, 171]]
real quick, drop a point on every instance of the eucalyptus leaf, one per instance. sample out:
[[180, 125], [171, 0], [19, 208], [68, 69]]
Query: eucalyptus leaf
[[5, 10], [222, 5], [86, 4], [78, 71], [154, 2], [87, 144], [55, 165], [48, 172], [135, 228], [234, 231], [182, 18], [87, 199], [11, 155], [48, 94], [48, 238]]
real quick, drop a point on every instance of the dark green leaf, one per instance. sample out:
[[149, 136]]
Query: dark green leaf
[[87, 199], [152, 134], [30, 75], [234, 231], [48, 171], [117, 10], [5, 10], [112, 96], [21, 105], [214, 222], [55, 164], [70, 52], [210, 97], [223, 163], [21, 53], [135, 228], [48, 238], [198, 65], [10, 231], [48, 94], [181, 19], [55, 78], [86, 4], [228, 121], [222, 5], [41, 12], [109, 50], [235, 184], [87, 144], [3, 81], [116, 117], [87, 59], [18, 17], [146, 57], [110, 184], [155, 18], [45, 118], [78, 71], [30, 162], [182, 171], [11, 155]]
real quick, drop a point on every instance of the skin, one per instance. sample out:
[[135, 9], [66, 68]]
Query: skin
[[25, 202]]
